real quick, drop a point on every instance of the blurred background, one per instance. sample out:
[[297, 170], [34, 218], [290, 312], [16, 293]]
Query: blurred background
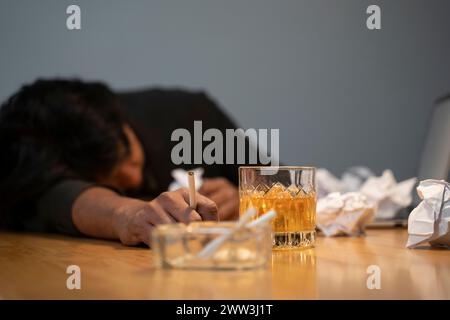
[[341, 94]]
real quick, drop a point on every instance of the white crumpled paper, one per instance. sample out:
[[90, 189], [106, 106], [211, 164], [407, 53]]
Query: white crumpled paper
[[351, 180], [389, 195], [344, 214], [180, 177], [430, 220]]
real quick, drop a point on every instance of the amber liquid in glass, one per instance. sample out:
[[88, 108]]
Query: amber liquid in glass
[[294, 225]]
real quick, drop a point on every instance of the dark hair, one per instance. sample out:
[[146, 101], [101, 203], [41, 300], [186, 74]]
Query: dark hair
[[57, 129]]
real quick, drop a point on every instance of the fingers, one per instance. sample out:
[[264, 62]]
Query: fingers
[[140, 225], [223, 196], [211, 185], [146, 234], [229, 211], [205, 206], [173, 206], [175, 203], [156, 214]]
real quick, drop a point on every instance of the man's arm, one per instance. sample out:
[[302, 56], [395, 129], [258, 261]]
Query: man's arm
[[102, 213], [81, 208], [95, 209]]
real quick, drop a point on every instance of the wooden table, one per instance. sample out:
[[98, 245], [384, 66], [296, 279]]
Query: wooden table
[[34, 267]]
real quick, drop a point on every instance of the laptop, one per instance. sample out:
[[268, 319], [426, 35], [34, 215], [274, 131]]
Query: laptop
[[434, 161]]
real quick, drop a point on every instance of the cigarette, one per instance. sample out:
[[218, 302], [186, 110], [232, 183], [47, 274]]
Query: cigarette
[[262, 219], [192, 197], [215, 244]]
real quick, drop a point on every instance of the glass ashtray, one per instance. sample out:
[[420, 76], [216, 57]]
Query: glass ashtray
[[181, 246]]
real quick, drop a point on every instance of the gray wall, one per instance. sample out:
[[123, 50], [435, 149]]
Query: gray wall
[[341, 95]]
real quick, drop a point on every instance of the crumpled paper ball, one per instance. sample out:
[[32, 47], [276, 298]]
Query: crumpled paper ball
[[429, 222], [344, 214], [389, 195], [351, 181]]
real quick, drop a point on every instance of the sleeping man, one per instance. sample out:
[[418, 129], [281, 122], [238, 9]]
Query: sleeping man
[[78, 159]]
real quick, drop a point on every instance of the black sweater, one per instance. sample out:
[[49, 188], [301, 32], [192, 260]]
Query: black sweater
[[153, 114]]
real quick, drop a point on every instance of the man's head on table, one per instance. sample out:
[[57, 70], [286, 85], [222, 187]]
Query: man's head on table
[[54, 132]]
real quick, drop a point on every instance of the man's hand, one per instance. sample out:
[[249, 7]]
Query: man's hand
[[135, 220], [224, 194]]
